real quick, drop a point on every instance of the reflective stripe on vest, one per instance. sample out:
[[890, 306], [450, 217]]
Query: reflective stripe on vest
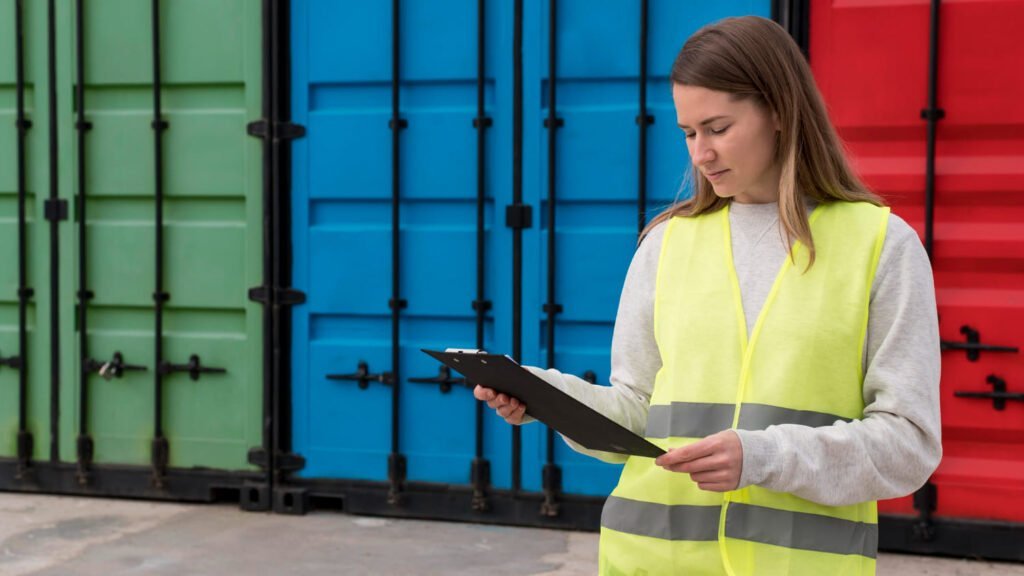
[[697, 420], [802, 364], [755, 523]]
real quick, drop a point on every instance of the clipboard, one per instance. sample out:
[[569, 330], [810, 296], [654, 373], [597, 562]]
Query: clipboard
[[560, 411]]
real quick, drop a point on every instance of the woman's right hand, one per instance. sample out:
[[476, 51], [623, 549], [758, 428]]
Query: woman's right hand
[[509, 408]]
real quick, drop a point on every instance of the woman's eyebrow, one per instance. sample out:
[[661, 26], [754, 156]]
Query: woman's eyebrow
[[705, 122]]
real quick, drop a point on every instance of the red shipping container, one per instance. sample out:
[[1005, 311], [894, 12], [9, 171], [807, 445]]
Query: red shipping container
[[871, 60]]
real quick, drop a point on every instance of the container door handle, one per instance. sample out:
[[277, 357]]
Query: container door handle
[[443, 379], [973, 346], [363, 377], [114, 368], [999, 395], [194, 368]]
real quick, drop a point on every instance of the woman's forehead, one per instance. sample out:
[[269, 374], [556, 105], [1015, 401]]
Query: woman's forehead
[[695, 104]]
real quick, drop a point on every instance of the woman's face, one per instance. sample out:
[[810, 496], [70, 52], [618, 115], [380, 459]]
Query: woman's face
[[732, 143]]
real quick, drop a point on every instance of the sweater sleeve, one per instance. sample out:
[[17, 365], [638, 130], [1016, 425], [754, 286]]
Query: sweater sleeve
[[894, 449], [635, 357]]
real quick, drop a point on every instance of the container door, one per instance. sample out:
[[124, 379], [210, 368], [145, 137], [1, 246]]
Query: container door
[[979, 260], [597, 170], [348, 420], [212, 339], [30, 361], [876, 87]]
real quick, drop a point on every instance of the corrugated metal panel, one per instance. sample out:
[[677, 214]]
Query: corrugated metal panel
[[871, 60], [342, 232], [342, 219], [596, 183], [35, 358], [212, 212], [211, 87]]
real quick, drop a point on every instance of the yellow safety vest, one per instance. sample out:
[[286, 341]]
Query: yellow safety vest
[[802, 364]]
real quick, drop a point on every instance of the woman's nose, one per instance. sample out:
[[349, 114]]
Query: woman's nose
[[702, 153]]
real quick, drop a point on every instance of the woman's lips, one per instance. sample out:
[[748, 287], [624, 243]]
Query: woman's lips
[[713, 176]]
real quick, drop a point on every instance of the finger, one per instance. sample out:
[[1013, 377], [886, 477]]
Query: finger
[[682, 455], [716, 487], [693, 451], [508, 410], [482, 393], [702, 448], [706, 464], [503, 400], [712, 477], [516, 417]]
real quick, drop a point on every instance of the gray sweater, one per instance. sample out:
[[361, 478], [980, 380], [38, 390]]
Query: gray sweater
[[889, 453]]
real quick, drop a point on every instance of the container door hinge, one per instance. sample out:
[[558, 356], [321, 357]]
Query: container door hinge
[[282, 130], [556, 122], [55, 210], [13, 362], [258, 457], [283, 296], [518, 216], [286, 461], [290, 462]]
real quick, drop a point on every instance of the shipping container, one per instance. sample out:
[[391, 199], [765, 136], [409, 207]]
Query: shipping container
[[427, 149], [926, 97], [145, 218], [228, 228], [582, 74], [474, 175], [24, 302]]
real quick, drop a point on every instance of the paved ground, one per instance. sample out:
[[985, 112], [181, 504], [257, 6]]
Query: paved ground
[[63, 536]]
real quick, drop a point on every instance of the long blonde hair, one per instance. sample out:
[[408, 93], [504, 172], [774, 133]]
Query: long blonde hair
[[754, 58]]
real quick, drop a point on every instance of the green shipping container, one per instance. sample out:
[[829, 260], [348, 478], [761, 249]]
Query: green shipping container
[[34, 359], [209, 174]]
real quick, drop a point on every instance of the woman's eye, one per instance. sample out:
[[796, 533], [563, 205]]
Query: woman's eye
[[690, 135], [719, 131]]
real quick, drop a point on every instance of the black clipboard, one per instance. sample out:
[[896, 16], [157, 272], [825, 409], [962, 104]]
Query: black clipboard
[[560, 411]]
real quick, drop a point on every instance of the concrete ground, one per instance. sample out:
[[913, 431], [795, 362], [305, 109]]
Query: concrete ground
[[65, 536]]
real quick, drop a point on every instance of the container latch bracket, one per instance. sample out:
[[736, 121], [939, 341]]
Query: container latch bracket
[[443, 379], [999, 395], [363, 376], [973, 346]]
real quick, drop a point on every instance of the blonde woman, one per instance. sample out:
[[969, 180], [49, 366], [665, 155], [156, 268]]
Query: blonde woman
[[777, 334]]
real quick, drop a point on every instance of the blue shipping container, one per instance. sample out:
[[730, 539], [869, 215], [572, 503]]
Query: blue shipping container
[[344, 176]]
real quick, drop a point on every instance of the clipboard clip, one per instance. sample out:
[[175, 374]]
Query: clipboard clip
[[363, 377], [443, 379]]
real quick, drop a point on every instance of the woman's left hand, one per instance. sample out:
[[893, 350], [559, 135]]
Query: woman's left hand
[[714, 463]]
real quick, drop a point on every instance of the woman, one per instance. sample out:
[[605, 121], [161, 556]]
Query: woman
[[777, 334]]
